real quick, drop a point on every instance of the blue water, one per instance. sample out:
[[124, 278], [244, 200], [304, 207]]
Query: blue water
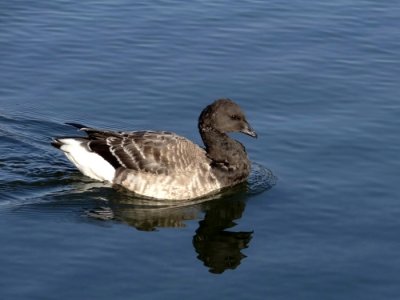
[[319, 81]]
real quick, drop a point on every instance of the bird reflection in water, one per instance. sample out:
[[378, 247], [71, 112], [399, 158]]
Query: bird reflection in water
[[218, 248]]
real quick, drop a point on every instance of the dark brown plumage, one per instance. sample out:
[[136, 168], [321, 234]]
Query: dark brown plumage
[[163, 164]]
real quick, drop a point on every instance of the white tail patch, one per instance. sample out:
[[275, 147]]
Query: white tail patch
[[89, 163]]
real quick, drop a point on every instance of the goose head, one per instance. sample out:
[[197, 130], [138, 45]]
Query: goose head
[[225, 116]]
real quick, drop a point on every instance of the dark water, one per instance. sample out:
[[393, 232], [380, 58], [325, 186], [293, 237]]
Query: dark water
[[319, 81]]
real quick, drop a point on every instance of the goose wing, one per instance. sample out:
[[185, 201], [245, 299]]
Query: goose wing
[[157, 152]]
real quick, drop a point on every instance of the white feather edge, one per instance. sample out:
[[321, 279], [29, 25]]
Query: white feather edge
[[89, 163]]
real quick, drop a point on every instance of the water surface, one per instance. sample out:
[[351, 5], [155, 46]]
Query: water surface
[[319, 83]]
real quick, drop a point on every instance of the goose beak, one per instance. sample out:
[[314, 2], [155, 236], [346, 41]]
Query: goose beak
[[249, 131]]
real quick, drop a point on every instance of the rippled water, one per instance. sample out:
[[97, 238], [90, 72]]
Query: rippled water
[[319, 83]]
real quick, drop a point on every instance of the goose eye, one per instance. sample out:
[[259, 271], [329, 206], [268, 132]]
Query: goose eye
[[235, 117]]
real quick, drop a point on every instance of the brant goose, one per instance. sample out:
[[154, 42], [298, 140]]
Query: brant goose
[[164, 165]]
